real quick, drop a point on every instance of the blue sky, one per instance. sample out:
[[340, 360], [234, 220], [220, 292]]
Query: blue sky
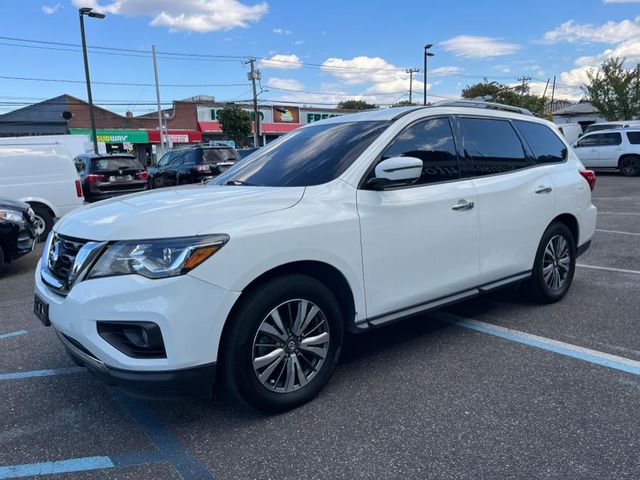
[[333, 49]]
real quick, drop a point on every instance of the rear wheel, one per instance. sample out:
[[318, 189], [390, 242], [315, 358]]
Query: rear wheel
[[629, 166], [283, 344], [1, 258], [554, 266], [43, 220]]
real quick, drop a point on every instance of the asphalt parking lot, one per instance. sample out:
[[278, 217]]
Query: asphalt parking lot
[[497, 387]]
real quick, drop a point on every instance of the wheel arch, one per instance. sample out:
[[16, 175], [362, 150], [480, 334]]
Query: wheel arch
[[35, 201], [572, 224], [627, 155]]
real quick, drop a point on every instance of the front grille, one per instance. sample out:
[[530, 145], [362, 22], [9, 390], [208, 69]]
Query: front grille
[[59, 260]]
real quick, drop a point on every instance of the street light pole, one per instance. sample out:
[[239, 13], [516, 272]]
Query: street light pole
[[89, 12], [426, 55]]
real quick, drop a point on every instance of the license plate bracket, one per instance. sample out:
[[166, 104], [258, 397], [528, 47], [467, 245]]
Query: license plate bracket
[[41, 310]]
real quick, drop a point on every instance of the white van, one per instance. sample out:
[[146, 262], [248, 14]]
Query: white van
[[571, 131], [45, 177], [76, 144]]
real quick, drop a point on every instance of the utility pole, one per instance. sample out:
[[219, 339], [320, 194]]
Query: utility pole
[[254, 75], [155, 71], [524, 84], [553, 91], [427, 54], [411, 71]]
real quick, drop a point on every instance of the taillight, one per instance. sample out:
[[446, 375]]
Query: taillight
[[79, 189], [203, 168], [590, 177], [143, 175], [93, 178]]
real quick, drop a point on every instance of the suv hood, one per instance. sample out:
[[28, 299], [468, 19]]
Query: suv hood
[[14, 205], [174, 212]]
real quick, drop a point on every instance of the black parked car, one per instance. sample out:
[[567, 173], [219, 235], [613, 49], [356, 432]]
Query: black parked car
[[106, 176], [191, 165], [17, 230]]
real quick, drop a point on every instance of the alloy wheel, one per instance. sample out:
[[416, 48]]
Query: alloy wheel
[[40, 225], [290, 346], [556, 262]]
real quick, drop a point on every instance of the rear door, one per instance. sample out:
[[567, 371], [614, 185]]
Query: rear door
[[610, 149], [516, 197], [587, 149], [419, 242]]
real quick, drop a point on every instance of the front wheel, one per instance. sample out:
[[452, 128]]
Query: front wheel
[[630, 166], [283, 344], [554, 266], [43, 221]]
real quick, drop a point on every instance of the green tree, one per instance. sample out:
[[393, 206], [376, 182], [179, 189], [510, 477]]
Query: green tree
[[403, 103], [356, 105], [235, 123], [614, 90], [517, 96]]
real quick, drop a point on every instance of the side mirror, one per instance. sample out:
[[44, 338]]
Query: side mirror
[[79, 166], [396, 171]]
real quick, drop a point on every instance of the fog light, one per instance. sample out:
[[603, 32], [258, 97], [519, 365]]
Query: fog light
[[134, 339]]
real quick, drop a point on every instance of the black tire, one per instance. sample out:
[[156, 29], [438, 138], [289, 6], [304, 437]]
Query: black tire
[[1, 258], [237, 357], [542, 289], [629, 166], [44, 217]]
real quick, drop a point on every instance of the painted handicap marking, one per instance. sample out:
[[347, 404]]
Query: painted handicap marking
[[581, 353]]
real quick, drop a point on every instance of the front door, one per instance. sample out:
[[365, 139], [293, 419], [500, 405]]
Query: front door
[[420, 242]]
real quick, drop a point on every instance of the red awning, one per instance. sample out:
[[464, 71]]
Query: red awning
[[269, 128], [176, 136]]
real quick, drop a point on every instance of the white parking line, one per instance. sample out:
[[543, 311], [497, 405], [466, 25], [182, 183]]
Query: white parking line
[[618, 213], [562, 348], [618, 231], [611, 269]]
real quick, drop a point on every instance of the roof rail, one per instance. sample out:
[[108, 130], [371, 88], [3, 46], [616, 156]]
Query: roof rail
[[481, 104]]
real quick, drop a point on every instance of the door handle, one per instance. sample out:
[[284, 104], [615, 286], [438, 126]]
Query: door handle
[[462, 205], [543, 189]]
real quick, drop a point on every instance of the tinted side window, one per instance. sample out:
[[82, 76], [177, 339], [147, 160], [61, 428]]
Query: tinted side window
[[589, 141], [491, 146], [543, 142], [607, 139], [191, 157], [634, 138], [432, 142]]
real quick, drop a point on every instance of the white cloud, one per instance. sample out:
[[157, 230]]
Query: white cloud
[[298, 42], [282, 62], [444, 71], [470, 46], [281, 31], [609, 32], [185, 15], [285, 83], [620, 1], [49, 10]]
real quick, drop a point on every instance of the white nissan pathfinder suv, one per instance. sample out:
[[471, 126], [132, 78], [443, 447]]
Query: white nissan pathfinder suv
[[343, 225]]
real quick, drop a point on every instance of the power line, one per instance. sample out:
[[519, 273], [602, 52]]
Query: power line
[[128, 84]]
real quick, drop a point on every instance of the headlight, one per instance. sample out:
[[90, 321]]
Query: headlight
[[11, 215], [157, 258]]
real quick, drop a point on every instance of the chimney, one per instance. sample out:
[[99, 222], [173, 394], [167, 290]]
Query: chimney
[[129, 114]]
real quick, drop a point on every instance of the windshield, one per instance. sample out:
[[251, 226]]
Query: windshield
[[114, 163], [305, 157]]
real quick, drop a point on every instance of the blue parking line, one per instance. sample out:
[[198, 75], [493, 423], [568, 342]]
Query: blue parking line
[[169, 447], [41, 373], [581, 353], [62, 466], [12, 334]]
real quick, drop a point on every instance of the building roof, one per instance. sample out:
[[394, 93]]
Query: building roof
[[582, 108]]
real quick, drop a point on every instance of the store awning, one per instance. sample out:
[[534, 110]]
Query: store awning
[[176, 136], [268, 128]]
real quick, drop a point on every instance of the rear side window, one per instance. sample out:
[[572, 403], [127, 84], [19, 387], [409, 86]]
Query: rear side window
[[116, 163], [608, 139], [432, 142], [215, 155], [543, 142], [491, 146], [634, 138]]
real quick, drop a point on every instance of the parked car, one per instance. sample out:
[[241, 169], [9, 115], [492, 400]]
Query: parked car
[[571, 131], [346, 224], [611, 149], [194, 164], [18, 234], [42, 176], [597, 127], [106, 176]]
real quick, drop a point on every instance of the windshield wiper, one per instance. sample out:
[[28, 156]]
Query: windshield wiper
[[240, 182]]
